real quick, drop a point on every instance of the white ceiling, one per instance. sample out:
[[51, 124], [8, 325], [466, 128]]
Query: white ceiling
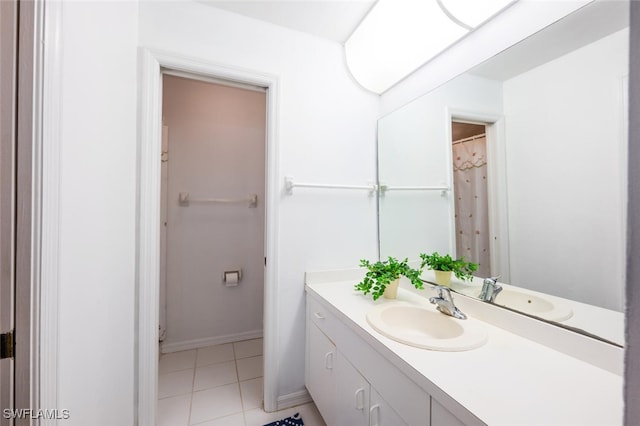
[[337, 19], [331, 19], [586, 25]]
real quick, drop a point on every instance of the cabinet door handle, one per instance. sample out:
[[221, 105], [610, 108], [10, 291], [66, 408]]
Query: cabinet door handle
[[318, 315], [328, 361], [360, 399], [374, 408]]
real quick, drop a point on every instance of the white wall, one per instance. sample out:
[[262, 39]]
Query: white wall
[[97, 204], [325, 133], [216, 150], [97, 212], [415, 150], [326, 129], [585, 142]]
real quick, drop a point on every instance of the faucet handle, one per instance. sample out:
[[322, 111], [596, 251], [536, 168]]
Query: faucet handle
[[492, 280], [445, 304], [441, 290], [444, 293], [490, 289]]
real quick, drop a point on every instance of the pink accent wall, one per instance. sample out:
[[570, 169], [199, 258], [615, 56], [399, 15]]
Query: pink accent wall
[[216, 150]]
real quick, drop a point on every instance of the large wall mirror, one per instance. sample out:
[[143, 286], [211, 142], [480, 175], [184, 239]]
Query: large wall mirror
[[520, 165]]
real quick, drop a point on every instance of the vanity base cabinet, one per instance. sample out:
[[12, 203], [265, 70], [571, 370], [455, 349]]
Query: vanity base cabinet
[[352, 396], [381, 413], [353, 384], [320, 375], [358, 403], [440, 416]]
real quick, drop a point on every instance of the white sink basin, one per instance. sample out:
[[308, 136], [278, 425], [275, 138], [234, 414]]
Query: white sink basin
[[533, 304], [424, 327]]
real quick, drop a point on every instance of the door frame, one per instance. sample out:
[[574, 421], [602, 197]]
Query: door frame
[[164, 180], [29, 198], [27, 204], [148, 220], [8, 113], [497, 185], [50, 170]]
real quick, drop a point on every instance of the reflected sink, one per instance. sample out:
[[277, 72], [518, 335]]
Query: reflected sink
[[424, 327], [533, 304]]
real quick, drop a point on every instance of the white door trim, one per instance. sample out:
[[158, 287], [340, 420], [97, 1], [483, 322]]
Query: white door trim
[[148, 220], [29, 314], [50, 213]]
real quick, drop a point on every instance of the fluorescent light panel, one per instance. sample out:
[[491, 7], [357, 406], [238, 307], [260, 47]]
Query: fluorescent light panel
[[399, 36], [474, 12]]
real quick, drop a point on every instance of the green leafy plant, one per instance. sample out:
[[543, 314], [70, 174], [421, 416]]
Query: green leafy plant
[[381, 273], [462, 269]]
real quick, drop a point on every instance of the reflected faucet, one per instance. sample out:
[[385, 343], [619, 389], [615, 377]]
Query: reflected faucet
[[490, 289], [444, 303]]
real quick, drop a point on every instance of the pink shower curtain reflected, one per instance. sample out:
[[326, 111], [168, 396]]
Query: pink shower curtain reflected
[[472, 213]]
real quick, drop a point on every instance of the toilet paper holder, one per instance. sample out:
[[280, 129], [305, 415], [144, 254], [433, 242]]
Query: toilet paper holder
[[232, 278]]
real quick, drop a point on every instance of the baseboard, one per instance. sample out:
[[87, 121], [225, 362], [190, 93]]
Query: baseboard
[[208, 341], [293, 399]]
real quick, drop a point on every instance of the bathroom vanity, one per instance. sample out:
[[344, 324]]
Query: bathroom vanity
[[357, 376]]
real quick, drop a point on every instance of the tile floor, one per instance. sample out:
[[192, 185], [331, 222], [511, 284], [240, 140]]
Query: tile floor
[[218, 386]]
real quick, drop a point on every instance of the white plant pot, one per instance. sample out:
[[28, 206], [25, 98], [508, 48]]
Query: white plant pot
[[391, 290]]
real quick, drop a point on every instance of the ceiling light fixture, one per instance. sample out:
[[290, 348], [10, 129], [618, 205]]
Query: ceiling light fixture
[[399, 36]]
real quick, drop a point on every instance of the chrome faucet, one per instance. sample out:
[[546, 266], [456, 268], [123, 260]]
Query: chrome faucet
[[444, 303], [490, 289]]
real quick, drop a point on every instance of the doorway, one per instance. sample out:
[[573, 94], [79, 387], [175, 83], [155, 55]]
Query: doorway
[[213, 210], [153, 64], [212, 241], [470, 181], [496, 204]]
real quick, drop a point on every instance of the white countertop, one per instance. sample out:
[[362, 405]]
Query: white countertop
[[508, 381], [601, 322]]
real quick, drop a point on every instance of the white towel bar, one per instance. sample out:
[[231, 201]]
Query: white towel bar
[[443, 189], [289, 184], [184, 200]]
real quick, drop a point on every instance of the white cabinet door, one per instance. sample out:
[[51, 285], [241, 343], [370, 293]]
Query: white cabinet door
[[381, 413], [440, 416], [320, 372], [352, 395]]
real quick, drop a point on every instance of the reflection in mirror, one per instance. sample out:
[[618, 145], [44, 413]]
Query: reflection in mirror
[[470, 186], [554, 115]]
